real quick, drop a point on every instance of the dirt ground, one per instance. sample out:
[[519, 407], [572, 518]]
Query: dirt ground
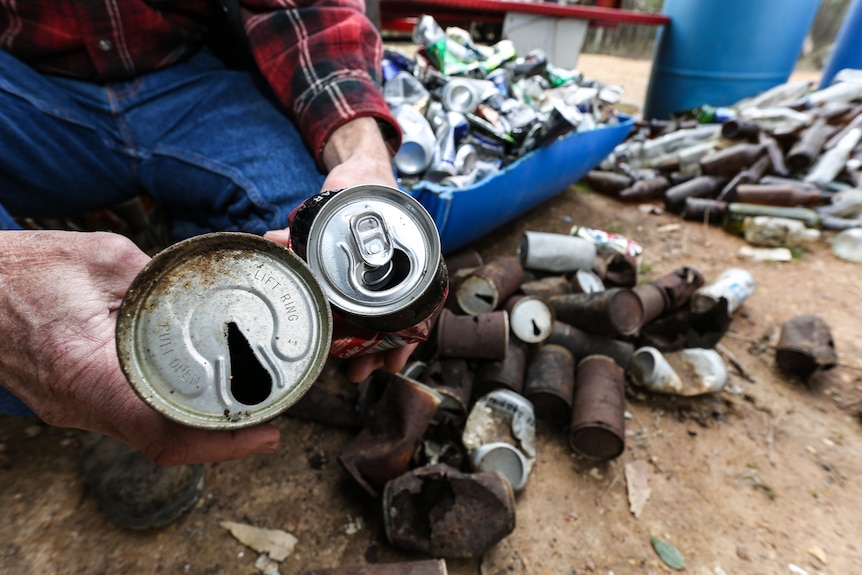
[[763, 478]]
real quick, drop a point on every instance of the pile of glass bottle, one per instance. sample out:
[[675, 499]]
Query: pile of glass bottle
[[776, 168]]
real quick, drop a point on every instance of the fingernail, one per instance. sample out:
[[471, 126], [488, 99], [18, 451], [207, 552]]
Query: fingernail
[[277, 235], [267, 448]]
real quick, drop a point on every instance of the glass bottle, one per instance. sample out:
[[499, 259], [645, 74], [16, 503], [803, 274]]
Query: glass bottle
[[847, 245], [734, 218]]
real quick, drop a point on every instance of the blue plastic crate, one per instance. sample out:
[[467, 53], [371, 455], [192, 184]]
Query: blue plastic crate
[[465, 214]]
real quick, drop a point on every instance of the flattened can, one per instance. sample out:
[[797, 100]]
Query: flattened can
[[376, 253], [223, 330]]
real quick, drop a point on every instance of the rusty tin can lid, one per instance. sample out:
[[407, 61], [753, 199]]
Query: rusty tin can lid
[[223, 330]]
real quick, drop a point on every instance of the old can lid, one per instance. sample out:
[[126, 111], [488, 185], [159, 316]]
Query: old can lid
[[374, 249], [223, 330]]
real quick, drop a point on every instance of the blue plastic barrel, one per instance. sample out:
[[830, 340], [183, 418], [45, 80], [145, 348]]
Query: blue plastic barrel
[[846, 53], [720, 51]]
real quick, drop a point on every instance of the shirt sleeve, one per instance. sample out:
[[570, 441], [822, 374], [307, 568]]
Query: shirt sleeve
[[322, 59]]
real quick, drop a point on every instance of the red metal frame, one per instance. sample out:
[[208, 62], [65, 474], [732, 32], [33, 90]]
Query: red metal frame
[[400, 15]]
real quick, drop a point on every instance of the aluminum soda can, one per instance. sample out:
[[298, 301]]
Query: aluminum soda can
[[223, 330], [734, 285], [607, 242], [377, 255], [499, 435]]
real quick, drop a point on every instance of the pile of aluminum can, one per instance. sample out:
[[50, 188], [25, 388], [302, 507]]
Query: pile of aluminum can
[[467, 110], [777, 168]]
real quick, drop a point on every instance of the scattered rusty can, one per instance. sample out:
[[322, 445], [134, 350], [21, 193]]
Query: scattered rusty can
[[453, 380], [805, 346], [617, 270], [581, 344], [506, 373], [443, 512], [376, 252], [384, 448], [482, 336], [546, 287], [489, 285], [465, 259], [223, 330], [613, 312], [499, 435], [598, 419], [531, 318], [550, 383], [586, 281]]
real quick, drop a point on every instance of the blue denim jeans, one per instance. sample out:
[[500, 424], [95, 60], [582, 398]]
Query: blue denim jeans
[[209, 144]]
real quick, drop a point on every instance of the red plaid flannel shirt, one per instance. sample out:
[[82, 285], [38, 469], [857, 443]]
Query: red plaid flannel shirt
[[322, 58]]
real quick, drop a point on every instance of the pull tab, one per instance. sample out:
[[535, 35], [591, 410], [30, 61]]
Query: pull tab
[[371, 241]]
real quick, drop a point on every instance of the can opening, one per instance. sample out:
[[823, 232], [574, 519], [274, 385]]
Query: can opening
[[250, 382], [398, 270]]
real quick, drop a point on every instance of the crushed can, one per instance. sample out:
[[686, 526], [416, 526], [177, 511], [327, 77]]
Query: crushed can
[[376, 252], [223, 330], [499, 435]]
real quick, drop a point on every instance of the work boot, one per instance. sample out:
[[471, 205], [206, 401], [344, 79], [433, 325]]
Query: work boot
[[131, 489]]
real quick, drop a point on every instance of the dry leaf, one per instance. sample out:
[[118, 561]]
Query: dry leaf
[[637, 483], [276, 543]]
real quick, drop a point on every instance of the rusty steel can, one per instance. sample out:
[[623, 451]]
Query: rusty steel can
[[223, 330], [376, 252]]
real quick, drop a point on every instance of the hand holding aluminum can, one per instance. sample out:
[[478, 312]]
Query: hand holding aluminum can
[[376, 253]]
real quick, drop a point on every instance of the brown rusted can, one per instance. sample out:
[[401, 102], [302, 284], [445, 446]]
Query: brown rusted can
[[489, 285], [376, 253], [616, 269], [507, 373], [581, 344], [453, 380], [680, 285], [390, 436], [586, 281], [530, 318], [614, 312], [653, 299], [440, 511], [547, 286], [597, 429], [550, 383], [465, 259], [805, 346], [482, 336]]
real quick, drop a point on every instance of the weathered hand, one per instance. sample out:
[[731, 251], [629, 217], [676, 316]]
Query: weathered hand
[[60, 293]]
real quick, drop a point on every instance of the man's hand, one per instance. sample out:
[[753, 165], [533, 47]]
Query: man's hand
[[356, 154], [59, 296]]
